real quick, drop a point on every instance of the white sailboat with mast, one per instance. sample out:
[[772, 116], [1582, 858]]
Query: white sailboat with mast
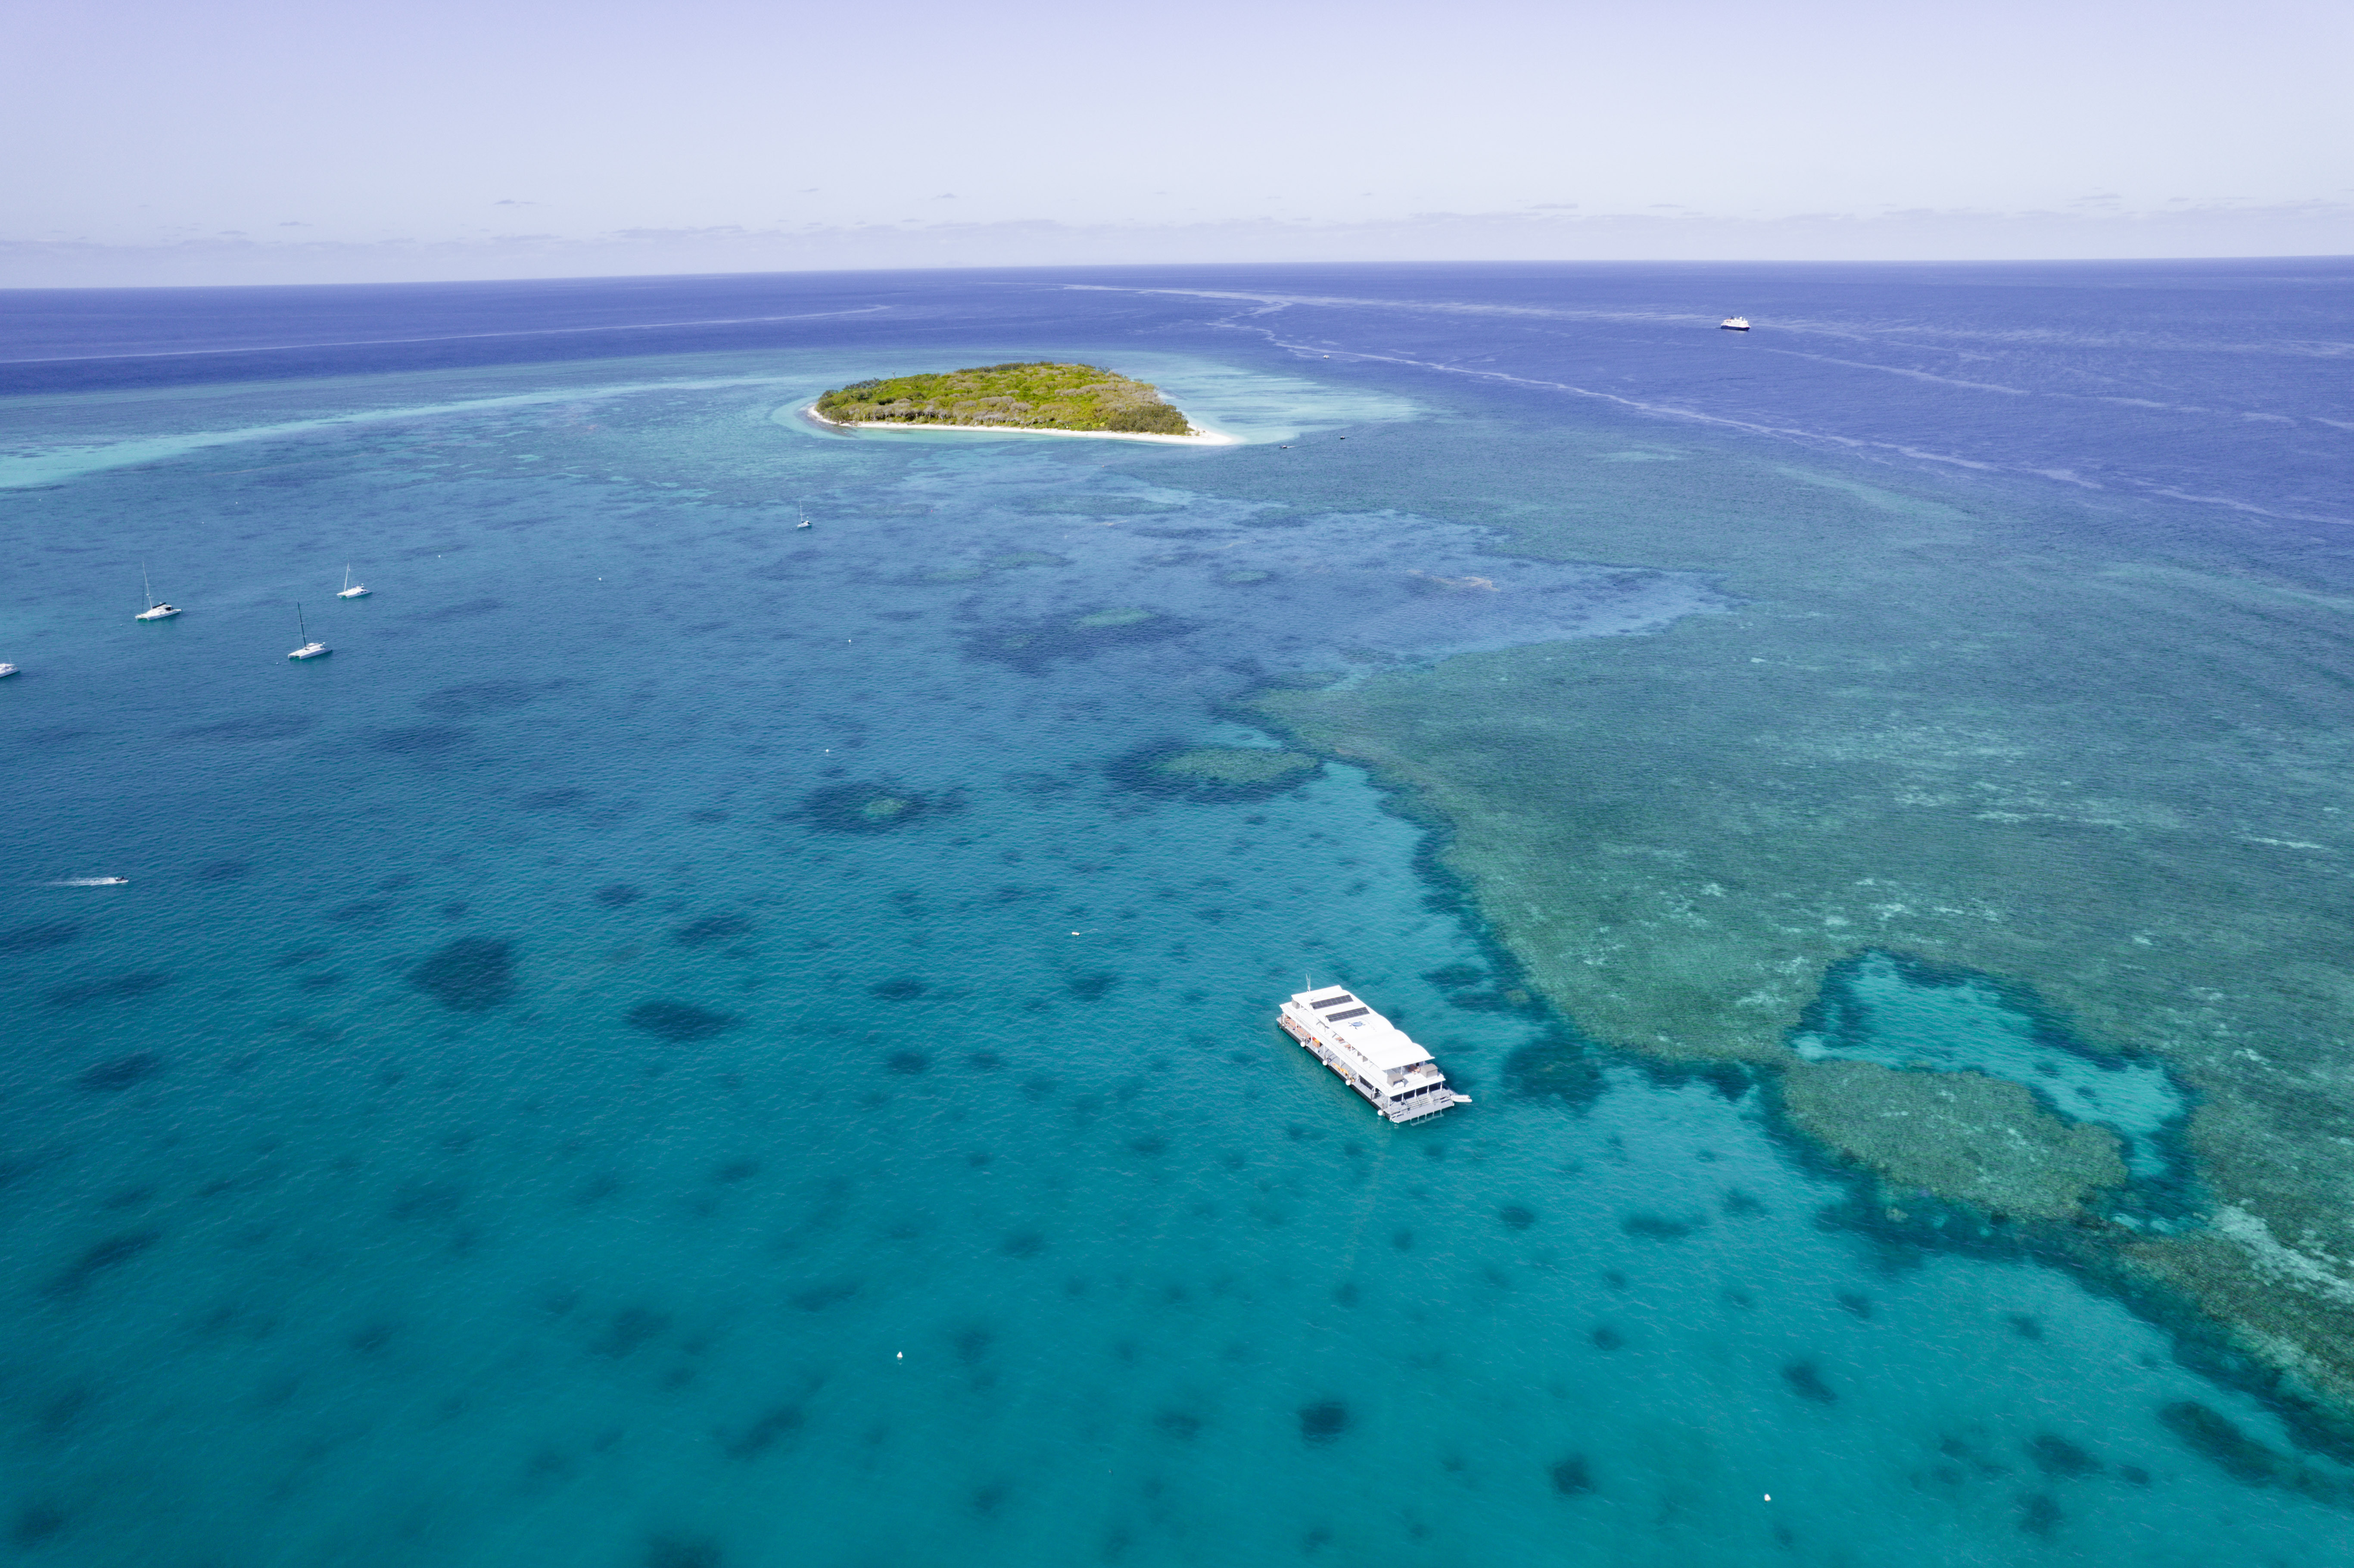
[[352, 590], [310, 649], [156, 610]]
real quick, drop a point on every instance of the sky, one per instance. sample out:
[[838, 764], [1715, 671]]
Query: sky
[[266, 141]]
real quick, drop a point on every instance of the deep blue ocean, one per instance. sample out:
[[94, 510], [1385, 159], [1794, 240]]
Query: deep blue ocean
[[519, 1110]]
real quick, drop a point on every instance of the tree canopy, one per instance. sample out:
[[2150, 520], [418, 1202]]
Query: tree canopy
[[1038, 394]]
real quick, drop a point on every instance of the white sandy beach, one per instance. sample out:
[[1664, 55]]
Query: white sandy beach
[[1206, 438]]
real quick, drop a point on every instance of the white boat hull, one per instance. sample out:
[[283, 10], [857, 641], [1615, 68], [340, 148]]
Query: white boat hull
[[1428, 1106], [311, 651]]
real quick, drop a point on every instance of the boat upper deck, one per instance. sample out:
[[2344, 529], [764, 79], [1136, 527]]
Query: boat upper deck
[[1351, 1024]]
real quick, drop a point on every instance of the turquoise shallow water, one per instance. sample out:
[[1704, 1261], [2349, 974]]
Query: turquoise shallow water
[[520, 1111]]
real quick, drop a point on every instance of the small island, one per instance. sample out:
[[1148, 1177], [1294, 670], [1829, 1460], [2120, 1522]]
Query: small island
[[1040, 396]]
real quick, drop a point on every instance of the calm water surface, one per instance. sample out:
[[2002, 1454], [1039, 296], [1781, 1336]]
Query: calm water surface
[[530, 1105]]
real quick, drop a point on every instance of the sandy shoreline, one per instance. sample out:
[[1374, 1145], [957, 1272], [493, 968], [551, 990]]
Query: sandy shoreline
[[1207, 438]]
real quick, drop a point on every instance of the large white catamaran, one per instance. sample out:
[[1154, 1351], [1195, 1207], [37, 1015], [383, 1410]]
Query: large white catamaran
[[1372, 1055]]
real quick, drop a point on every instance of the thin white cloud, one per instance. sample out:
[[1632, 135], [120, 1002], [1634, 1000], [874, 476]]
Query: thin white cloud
[[1556, 232]]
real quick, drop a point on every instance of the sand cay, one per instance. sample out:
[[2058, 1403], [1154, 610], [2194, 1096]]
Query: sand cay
[[1203, 437]]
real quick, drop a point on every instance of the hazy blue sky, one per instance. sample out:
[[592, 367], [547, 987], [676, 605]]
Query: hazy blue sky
[[307, 138]]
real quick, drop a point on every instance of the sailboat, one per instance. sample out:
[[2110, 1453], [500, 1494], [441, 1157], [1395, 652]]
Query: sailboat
[[805, 516], [308, 650], [156, 610], [351, 588], [6, 671]]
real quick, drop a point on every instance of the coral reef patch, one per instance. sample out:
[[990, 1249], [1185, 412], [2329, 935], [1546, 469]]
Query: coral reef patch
[[472, 974], [868, 808], [1965, 1136], [1214, 772], [1033, 647]]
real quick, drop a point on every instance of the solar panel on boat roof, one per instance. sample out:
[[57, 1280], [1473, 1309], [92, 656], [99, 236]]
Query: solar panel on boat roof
[[1323, 1002], [1353, 1012]]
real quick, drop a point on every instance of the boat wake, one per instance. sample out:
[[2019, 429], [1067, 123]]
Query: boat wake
[[89, 882]]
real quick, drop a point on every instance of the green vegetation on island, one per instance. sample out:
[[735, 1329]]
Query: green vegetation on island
[[1037, 396]]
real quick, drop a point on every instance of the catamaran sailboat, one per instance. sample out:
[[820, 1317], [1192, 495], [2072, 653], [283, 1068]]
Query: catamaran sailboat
[[1734, 324], [156, 610], [308, 650], [351, 588]]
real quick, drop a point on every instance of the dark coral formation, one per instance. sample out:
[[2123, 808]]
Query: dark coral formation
[[472, 974], [868, 808]]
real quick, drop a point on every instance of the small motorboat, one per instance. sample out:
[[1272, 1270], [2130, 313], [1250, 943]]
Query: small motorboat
[[352, 590], [309, 650], [1733, 323], [156, 610], [90, 882], [6, 671]]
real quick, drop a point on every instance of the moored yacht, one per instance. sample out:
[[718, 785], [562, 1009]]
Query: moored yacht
[[309, 650], [1372, 1055], [352, 590], [6, 671], [1734, 324], [156, 610]]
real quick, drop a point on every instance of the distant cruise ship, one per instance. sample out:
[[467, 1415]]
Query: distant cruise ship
[[1372, 1054], [1734, 324]]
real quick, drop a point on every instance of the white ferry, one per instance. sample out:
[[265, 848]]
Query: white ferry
[[1734, 324], [1372, 1054]]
